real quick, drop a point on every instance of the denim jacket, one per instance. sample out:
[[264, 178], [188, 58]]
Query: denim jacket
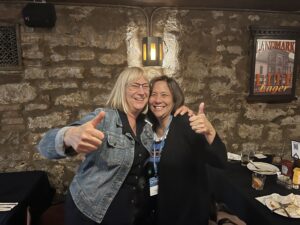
[[103, 171]]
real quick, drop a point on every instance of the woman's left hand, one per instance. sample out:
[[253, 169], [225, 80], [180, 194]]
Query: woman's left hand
[[201, 125]]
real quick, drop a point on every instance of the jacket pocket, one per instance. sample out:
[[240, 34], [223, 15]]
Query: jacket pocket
[[116, 141], [117, 149]]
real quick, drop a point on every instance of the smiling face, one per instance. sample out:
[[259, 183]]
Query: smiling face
[[137, 94], [161, 101]]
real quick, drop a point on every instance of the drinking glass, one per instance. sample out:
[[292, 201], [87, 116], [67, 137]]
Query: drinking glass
[[258, 181], [245, 157], [251, 154]]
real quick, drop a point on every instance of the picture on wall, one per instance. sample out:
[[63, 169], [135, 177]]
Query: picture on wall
[[296, 149], [274, 68]]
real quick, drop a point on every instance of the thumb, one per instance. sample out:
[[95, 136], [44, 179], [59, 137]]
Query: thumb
[[97, 119], [201, 108]]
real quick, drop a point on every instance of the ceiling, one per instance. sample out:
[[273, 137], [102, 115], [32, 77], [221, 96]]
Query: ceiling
[[265, 5]]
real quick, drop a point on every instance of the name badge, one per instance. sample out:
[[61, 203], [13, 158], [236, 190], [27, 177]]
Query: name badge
[[153, 183]]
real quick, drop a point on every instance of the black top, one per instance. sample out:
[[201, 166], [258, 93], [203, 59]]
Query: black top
[[130, 202], [183, 186]]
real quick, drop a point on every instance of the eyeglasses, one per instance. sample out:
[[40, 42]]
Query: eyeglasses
[[137, 86]]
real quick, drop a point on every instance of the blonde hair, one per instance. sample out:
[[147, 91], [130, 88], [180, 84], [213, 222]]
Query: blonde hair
[[117, 97]]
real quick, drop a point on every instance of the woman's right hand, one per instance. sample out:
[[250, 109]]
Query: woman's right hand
[[85, 138], [183, 110]]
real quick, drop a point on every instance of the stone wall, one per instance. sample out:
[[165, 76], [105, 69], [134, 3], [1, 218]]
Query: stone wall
[[70, 69]]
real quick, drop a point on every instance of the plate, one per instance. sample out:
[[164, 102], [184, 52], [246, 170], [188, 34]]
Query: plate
[[276, 206], [263, 168]]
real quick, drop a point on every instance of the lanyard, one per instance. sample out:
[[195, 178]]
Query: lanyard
[[156, 158]]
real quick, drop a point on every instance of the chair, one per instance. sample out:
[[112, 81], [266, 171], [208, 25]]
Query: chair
[[54, 215]]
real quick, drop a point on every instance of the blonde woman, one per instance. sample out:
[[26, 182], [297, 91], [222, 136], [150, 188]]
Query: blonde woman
[[109, 187]]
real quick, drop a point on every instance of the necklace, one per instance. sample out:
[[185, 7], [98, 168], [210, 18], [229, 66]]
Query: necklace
[[158, 145], [157, 138]]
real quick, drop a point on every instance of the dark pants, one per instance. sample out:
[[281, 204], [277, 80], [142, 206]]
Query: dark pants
[[73, 216]]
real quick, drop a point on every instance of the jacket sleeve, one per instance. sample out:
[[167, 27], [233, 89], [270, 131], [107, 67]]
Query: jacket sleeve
[[52, 146], [216, 153]]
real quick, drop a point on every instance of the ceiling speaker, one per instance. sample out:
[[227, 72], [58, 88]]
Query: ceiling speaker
[[39, 15]]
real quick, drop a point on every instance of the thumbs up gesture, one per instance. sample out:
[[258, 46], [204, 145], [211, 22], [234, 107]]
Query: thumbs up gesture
[[201, 125], [85, 138]]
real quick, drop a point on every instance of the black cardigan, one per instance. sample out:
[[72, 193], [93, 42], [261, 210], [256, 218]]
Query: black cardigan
[[183, 197]]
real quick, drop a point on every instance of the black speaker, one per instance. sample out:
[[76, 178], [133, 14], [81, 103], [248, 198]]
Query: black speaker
[[39, 15]]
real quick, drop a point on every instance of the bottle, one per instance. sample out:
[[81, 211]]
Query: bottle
[[287, 167], [296, 178]]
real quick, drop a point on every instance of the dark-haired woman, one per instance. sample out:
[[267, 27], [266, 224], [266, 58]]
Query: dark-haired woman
[[182, 147]]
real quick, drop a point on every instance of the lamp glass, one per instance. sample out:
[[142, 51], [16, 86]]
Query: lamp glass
[[153, 51], [144, 51]]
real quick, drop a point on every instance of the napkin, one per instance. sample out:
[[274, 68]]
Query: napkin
[[233, 156], [7, 206], [291, 202], [262, 199], [260, 156], [283, 199]]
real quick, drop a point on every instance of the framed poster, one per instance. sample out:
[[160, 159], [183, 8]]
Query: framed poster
[[274, 63], [295, 149]]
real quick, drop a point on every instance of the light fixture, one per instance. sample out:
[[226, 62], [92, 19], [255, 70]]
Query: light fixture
[[152, 47]]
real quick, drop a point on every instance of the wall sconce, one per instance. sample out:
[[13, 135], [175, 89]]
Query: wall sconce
[[152, 47]]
